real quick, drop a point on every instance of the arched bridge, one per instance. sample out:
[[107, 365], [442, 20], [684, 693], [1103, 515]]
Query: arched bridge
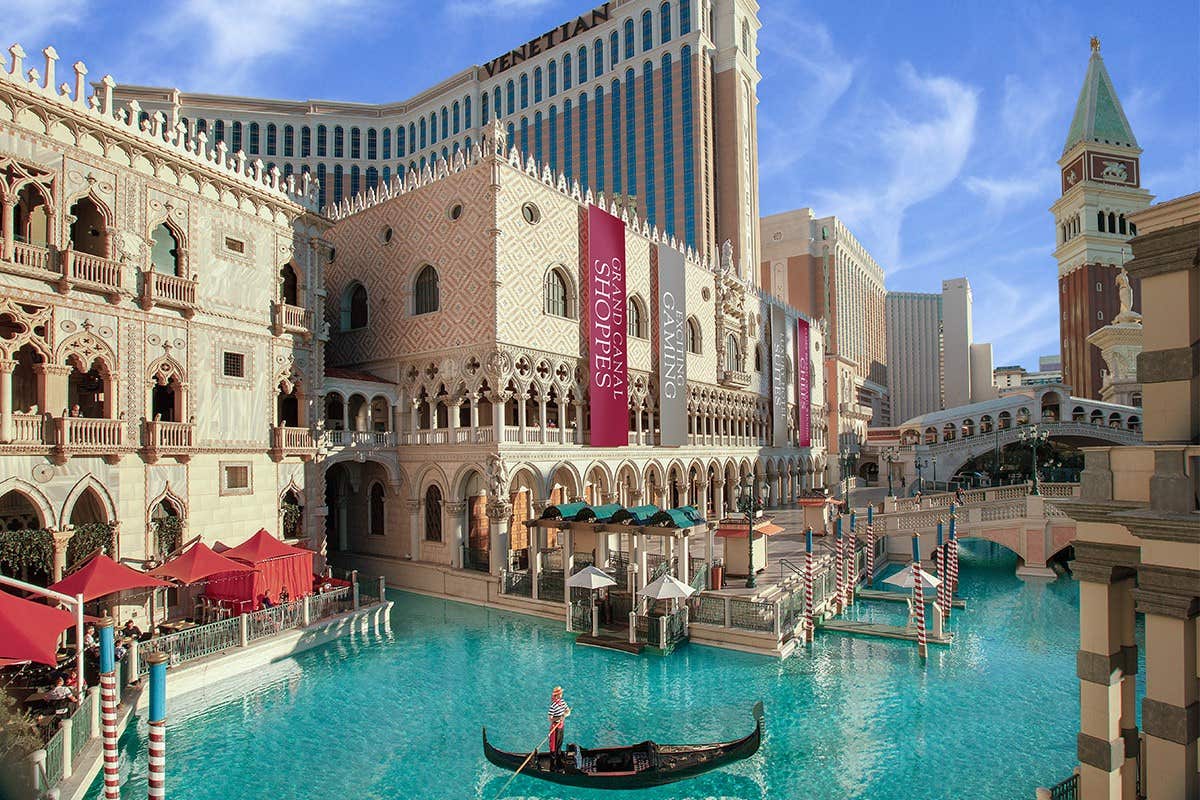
[[1029, 525]]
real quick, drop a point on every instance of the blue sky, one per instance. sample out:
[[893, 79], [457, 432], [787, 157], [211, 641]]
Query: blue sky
[[932, 129]]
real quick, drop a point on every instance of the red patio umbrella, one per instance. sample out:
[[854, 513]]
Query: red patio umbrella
[[29, 631], [102, 576], [198, 563], [262, 546]]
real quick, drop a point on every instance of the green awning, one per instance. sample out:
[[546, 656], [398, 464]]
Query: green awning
[[598, 513], [568, 511], [638, 515], [682, 517]]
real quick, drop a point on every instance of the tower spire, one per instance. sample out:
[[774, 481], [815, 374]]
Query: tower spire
[[1098, 113]]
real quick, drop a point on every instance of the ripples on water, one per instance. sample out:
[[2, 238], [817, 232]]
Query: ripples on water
[[398, 715]]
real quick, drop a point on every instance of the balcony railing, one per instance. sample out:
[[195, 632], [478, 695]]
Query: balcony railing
[[344, 438], [171, 291], [28, 429], [286, 441], [733, 377], [292, 319], [168, 438], [86, 435], [91, 271], [32, 256]]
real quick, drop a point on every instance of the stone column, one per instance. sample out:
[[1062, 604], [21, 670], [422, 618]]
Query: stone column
[[522, 399], [702, 496], [499, 409], [414, 419], [52, 387], [7, 234], [1104, 665], [499, 512], [542, 423], [638, 437], [455, 512], [6, 409], [414, 530], [579, 418], [61, 538], [718, 498], [1171, 707], [685, 567], [474, 413]]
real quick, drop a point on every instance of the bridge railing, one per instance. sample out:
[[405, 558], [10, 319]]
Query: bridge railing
[[974, 497], [1002, 503]]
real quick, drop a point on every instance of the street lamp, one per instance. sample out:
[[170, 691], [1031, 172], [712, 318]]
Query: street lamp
[[934, 460], [891, 455], [750, 503], [1034, 437], [920, 478], [848, 459]]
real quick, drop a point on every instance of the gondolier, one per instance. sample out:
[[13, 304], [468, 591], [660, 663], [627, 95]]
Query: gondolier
[[559, 711]]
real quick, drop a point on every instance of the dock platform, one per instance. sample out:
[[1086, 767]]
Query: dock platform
[[900, 597], [881, 631], [609, 643]]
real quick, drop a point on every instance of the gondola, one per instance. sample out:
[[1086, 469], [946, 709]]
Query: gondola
[[629, 767]]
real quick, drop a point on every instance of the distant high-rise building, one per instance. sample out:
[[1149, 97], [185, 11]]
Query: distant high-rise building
[[1101, 187], [956, 342], [914, 353], [1050, 363], [982, 387]]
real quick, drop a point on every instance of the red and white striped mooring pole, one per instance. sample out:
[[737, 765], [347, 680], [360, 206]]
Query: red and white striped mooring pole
[[156, 774], [919, 597], [108, 710]]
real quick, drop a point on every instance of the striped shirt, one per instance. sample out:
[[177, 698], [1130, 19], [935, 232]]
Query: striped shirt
[[558, 709]]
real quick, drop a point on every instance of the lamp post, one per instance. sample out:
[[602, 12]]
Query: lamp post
[[750, 503], [890, 455], [920, 478], [1034, 437], [848, 460], [934, 460]]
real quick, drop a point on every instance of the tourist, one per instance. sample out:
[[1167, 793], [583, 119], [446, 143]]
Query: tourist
[[960, 496], [559, 711], [917, 497], [131, 631], [283, 596], [60, 691], [902, 481], [264, 601]]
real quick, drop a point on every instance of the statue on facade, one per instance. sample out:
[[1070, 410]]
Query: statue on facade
[[1125, 292], [497, 475], [727, 256]]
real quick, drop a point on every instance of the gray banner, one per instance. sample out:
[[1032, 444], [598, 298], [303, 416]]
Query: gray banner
[[672, 348], [779, 377]]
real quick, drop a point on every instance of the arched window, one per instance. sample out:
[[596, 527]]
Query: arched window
[[693, 335], [524, 91], [387, 143], [1112, 222], [354, 180], [433, 514], [758, 358], [354, 307], [377, 515], [746, 38], [510, 89], [372, 144], [733, 354], [339, 141], [566, 71], [254, 137], [165, 254], [235, 143], [466, 112], [647, 31], [537, 85], [412, 138], [629, 47], [218, 131], [497, 109], [455, 117], [426, 294], [552, 77], [289, 285], [322, 144], [423, 135], [614, 49], [445, 122], [355, 143], [685, 17], [289, 141], [557, 296], [664, 23], [372, 178], [400, 142], [272, 134], [637, 318], [582, 57], [597, 58]]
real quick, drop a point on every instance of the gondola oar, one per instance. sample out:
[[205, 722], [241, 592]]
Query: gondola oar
[[528, 758]]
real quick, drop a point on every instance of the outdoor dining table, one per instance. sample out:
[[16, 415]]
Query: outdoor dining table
[[176, 627]]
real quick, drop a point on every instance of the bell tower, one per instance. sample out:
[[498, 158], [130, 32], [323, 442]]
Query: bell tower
[[1101, 185]]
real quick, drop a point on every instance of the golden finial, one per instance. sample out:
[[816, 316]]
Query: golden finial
[[1095, 44]]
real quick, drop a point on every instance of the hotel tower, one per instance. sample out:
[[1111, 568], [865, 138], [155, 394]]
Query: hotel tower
[[652, 102]]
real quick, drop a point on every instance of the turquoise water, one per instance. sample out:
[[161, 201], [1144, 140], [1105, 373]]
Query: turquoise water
[[399, 715]]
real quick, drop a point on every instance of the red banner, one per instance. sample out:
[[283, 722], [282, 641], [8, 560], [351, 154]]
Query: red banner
[[607, 365], [803, 383]]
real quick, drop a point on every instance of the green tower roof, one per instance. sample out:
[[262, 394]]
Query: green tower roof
[[1098, 113]]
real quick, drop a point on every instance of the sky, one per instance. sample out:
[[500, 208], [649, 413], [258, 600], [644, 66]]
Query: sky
[[932, 129]]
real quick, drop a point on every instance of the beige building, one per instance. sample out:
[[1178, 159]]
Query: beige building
[[1138, 545], [456, 299], [157, 359], [650, 101]]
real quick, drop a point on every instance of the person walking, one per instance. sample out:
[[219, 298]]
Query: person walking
[[558, 713]]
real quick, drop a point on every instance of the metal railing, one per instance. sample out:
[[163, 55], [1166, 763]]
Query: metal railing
[[274, 620], [551, 585], [193, 643], [751, 615], [1066, 790], [55, 765], [330, 603], [81, 725], [516, 583]]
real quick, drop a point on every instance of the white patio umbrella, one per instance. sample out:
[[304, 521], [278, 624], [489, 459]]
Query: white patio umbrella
[[904, 579], [667, 588], [590, 578]]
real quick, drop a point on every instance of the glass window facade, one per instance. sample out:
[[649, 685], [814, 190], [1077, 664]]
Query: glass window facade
[[599, 139], [648, 139], [689, 155], [668, 143]]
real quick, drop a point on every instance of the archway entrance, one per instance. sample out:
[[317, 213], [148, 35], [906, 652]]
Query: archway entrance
[[167, 523], [26, 547]]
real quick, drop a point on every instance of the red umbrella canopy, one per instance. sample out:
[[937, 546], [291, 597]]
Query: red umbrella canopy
[[29, 631], [260, 547], [198, 563], [102, 576]]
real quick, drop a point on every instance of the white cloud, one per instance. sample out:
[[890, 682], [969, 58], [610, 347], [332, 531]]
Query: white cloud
[[31, 24], [815, 79], [920, 152], [1000, 194], [226, 43], [489, 8], [1019, 317]]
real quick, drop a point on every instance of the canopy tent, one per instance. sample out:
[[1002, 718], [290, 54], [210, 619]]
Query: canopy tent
[[598, 513], [904, 579], [277, 566], [667, 587], [567, 511], [590, 577], [733, 529], [196, 564], [29, 631], [102, 576], [635, 515]]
